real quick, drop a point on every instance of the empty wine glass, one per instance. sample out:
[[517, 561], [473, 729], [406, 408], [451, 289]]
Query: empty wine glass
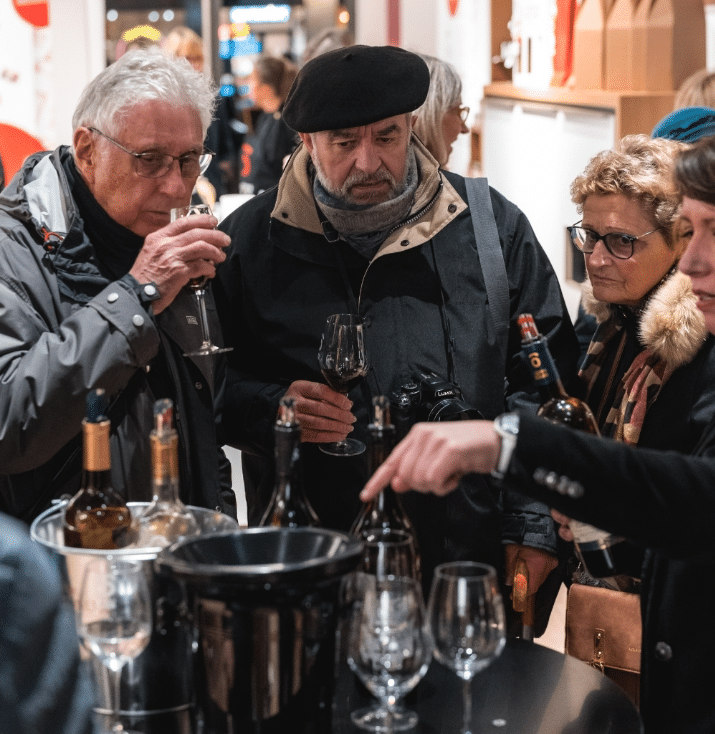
[[466, 615], [342, 358], [389, 648], [198, 286], [390, 553], [114, 619]]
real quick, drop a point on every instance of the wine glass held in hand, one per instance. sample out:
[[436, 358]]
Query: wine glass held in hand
[[114, 619], [342, 359], [198, 286], [389, 648], [466, 615]]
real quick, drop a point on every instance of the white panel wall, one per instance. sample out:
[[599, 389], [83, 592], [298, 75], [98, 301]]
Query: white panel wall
[[418, 25], [371, 22], [77, 30]]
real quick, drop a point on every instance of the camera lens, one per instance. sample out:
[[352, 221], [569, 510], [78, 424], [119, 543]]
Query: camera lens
[[451, 409]]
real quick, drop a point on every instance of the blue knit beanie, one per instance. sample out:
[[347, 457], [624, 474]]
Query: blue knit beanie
[[687, 124]]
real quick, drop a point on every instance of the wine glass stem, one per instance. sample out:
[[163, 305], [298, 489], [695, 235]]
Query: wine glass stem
[[467, 706], [200, 294], [115, 677]]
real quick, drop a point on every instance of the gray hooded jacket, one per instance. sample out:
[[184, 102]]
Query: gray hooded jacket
[[64, 330]]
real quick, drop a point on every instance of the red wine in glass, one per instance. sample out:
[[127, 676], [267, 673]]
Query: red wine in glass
[[198, 286], [342, 358]]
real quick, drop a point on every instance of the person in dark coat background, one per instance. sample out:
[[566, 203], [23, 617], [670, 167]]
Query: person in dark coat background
[[265, 150], [364, 221], [663, 501]]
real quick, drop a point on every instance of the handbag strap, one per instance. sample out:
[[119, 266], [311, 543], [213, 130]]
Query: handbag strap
[[491, 257]]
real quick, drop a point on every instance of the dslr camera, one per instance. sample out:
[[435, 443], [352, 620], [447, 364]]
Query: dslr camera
[[428, 398]]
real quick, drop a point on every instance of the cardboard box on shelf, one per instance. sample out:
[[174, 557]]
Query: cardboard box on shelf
[[589, 45], [621, 50], [674, 43]]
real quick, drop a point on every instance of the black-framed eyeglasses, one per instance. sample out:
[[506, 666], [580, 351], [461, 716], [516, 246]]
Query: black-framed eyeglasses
[[463, 112], [619, 244], [153, 164]]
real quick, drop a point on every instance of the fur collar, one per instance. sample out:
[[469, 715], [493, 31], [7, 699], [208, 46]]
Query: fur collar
[[671, 324]]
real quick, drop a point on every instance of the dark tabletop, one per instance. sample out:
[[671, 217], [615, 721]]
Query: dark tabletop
[[530, 689]]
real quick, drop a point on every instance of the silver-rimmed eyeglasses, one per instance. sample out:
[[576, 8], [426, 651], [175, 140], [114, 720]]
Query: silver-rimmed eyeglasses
[[619, 244], [154, 164], [463, 112]]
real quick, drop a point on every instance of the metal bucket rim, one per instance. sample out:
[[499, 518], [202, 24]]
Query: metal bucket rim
[[209, 572], [140, 554]]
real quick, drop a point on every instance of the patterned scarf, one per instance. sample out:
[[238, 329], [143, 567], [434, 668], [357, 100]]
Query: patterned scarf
[[638, 389]]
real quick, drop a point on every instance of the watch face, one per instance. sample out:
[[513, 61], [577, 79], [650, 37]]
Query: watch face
[[509, 422]]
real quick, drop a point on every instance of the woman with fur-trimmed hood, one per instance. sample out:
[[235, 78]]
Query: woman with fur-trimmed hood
[[649, 372], [651, 346]]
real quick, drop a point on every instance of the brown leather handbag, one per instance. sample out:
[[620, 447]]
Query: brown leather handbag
[[603, 628]]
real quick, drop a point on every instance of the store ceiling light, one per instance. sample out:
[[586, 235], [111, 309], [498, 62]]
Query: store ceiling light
[[260, 13]]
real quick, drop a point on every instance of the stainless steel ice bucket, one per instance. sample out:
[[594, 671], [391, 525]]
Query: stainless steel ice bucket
[[265, 604], [157, 692]]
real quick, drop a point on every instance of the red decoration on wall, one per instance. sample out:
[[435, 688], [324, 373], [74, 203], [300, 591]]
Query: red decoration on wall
[[453, 5], [36, 12], [393, 22], [15, 146], [563, 55]]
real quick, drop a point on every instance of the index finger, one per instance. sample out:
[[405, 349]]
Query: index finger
[[385, 473]]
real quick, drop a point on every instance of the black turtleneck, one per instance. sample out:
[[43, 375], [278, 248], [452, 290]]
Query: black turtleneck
[[116, 246]]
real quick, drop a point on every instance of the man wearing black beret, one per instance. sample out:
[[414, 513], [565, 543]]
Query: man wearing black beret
[[364, 221]]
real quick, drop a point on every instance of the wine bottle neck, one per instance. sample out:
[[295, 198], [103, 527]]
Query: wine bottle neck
[[165, 467], [543, 369], [95, 445], [287, 458]]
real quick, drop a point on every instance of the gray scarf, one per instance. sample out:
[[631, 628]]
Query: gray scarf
[[366, 226]]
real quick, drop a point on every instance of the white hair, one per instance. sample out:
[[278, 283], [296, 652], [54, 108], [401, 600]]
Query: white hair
[[140, 76], [445, 93]]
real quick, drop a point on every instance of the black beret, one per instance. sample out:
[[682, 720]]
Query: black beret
[[354, 86]]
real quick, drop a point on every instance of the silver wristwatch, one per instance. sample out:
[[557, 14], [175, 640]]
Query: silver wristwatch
[[507, 426]]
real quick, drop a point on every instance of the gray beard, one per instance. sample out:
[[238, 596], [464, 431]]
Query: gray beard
[[365, 226], [342, 194]]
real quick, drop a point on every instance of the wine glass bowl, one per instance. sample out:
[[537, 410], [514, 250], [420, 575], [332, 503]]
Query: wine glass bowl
[[114, 618], [389, 648], [342, 358], [467, 619], [390, 553], [198, 287]]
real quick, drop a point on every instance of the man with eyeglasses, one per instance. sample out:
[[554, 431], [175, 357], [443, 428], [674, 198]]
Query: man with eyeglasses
[[92, 292], [364, 221]]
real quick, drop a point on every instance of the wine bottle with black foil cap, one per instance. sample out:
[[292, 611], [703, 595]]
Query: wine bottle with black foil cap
[[96, 517], [385, 511], [289, 507], [167, 519], [603, 554]]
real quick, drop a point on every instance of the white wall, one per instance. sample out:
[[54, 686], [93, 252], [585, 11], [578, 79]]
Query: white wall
[[51, 65], [427, 26], [77, 29]]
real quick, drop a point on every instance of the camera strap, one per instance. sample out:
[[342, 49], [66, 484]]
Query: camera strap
[[491, 258]]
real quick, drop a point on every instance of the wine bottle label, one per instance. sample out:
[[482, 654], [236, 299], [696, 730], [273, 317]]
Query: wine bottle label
[[591, 538], [541, 363]]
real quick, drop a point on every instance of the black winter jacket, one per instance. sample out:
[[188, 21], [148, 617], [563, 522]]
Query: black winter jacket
[[282, 278], [665, 502]]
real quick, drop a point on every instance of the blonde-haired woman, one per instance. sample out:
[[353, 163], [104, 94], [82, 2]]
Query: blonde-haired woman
[[442, 118]]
